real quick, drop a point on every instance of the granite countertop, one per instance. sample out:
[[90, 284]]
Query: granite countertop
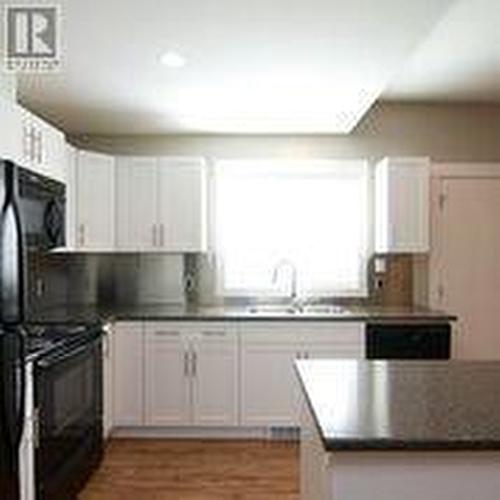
[[394, 405], [172, 312]]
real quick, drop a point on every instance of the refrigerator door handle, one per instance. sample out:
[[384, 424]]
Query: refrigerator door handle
[[14, 389]]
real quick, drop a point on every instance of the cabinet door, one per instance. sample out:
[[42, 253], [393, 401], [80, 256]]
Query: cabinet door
[[95, 201], [182, 205], [10, 131], [53, 153], [168, 398], [128, 380], [136, 204], [269, 386], [402, 205], [215, 375]]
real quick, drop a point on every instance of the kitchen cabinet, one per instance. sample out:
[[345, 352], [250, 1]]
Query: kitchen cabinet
[[128, 374], [191, 374], [43, 147], [269, 390], [215, 380], [161, 204], [402, 203], [167, 376], [10, 131], [182, 205], [136, 203], [94, 217]]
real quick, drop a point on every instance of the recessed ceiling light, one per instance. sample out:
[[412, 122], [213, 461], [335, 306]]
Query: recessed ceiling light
[[172, 59]]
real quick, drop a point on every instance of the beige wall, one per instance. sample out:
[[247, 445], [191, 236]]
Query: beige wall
[[445, 132]]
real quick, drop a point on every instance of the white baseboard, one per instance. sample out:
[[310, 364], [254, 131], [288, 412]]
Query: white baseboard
[[256, 433]]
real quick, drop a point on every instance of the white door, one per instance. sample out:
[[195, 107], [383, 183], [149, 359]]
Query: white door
[[95, 182], [136, 203], [215, 375], [468, 249], [168, 372], [128, 380], [269, 387], [182, 205]]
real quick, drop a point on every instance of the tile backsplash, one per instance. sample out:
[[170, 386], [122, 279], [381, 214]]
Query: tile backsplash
[[127, 279]]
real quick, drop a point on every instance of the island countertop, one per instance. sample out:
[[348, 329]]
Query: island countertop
[[394, 405]]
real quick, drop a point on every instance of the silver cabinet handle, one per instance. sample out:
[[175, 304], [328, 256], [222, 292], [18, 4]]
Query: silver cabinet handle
[[40, 147], [214, 333], [186, 363], [167, 333], [162, 235], [194, 361], [81, 234], [154, 235]]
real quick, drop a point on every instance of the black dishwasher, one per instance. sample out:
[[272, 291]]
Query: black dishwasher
[[408, 341]]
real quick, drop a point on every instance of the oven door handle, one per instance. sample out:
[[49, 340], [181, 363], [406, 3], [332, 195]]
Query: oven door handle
[[64, 356]]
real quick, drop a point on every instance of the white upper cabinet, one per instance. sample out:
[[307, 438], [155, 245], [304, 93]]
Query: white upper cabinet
[[136, 203], [182, 205], [94, 179], [43, 147], [161, 204], [402, 205], [10, 131]]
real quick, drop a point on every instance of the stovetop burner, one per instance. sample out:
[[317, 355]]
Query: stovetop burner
[[40, 339]]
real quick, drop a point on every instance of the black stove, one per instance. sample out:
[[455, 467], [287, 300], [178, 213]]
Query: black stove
[[42, 339]]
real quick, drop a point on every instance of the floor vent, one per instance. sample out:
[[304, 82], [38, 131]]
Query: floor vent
[[284, 433]]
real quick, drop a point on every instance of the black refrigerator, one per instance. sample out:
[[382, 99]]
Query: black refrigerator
[[12, 345]]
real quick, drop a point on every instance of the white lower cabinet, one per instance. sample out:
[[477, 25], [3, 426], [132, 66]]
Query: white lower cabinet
[[167, 375], [191, 375], [218, 374], [215, 380], [270, 394], [128, 370]]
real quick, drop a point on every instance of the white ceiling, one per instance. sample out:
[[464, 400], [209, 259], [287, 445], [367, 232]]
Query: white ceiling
[[252, 66], [459, 61]]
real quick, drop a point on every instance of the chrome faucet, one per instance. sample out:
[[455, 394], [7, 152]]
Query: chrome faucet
[[293, 281]]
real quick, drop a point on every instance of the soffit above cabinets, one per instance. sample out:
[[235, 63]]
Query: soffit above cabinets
[[266, 66], [459, 61]]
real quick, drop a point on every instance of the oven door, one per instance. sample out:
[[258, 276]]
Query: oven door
[[69, 401], [42, 203]]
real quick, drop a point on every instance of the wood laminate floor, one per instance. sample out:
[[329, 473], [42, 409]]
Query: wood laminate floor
[[158, 469]]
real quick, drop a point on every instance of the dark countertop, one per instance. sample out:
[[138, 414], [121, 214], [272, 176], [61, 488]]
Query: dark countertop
[[418, 405], [169, 312]]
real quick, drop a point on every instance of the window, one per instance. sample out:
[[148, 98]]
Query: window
[[312, 213]]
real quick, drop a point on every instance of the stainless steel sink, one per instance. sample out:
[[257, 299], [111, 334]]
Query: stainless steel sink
[[273, 309], [323, 309], [296, 310]]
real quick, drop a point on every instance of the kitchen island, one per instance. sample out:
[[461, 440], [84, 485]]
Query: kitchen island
[[400, 430]]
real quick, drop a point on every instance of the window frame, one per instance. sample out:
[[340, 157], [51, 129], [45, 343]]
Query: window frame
[[273, 165]]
